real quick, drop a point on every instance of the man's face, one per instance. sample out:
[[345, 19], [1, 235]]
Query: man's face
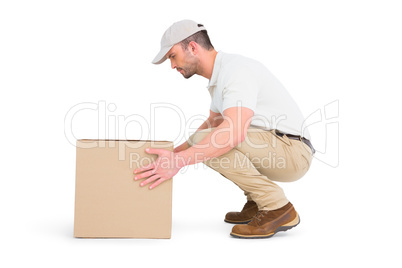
[[183, 61]]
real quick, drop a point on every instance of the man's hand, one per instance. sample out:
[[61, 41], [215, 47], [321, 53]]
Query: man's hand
[[162, 169]]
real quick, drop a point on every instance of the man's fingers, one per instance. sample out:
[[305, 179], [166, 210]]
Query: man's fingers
[[150, 166], [157, 183], [154, 151], [144, 168], [144, 175], [149, 180], [150, 170]]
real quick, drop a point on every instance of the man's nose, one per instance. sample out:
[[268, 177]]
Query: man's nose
[[172, 64]]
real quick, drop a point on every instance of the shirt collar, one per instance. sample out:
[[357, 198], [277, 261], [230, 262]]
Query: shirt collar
[[216, 69]]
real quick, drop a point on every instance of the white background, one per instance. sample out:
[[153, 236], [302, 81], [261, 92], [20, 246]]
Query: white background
[[57, 54]]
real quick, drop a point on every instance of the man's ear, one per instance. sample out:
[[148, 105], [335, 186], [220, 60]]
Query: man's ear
[[193, 47]]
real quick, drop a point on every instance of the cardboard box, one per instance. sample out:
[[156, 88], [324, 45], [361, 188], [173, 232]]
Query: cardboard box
[[108, 202]]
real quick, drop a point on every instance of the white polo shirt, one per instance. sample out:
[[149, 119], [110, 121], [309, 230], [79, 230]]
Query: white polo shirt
[[240, 81]]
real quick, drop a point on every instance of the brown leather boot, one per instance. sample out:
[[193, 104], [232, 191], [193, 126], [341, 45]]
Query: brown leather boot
[[249, 210], [268, 222]]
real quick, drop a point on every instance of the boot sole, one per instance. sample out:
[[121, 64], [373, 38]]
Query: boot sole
[[238, 222], [282, 228]]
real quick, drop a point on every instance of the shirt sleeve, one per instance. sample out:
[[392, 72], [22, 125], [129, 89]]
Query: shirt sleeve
[[213, 108]]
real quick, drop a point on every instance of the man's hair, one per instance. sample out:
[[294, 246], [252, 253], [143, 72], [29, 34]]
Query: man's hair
[[200, 38]]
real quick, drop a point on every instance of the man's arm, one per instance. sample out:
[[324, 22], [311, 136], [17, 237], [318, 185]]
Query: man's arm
[[214, 120], [228, 134]]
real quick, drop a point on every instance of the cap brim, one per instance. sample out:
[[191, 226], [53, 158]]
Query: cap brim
[[161, 57]]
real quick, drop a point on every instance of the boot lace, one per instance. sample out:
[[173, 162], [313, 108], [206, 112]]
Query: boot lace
[[257, 218]]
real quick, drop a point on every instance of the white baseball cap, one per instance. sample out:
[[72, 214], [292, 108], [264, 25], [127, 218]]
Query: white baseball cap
[[174, 34]]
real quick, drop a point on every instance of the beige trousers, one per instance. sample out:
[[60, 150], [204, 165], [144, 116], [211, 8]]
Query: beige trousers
[[263, 157]]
